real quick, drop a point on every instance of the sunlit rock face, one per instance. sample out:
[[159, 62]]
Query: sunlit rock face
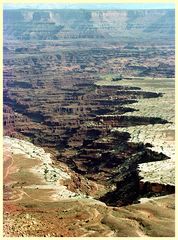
[[124, 25]]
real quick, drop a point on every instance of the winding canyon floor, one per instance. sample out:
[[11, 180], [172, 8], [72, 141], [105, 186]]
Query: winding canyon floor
[[38, 205], [36, 202]]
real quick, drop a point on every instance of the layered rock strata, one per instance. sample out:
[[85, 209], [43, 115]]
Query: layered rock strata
[[51, 97]]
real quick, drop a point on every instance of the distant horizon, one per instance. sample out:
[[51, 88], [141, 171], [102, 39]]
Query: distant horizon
[[91, 6]]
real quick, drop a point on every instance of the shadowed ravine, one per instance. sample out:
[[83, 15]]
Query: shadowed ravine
[[88, 123]]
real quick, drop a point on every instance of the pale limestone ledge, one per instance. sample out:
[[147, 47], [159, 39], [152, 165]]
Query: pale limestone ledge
[[161, 136], [29, 150], [159, 171], [48, 173]]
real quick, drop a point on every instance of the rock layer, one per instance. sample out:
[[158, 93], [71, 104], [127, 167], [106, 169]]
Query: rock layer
[[124, 25], [54, 97]]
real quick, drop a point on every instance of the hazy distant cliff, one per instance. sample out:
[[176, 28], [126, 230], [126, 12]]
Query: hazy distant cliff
[[122, 25]]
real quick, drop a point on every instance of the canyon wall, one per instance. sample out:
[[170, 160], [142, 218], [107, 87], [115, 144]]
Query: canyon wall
[[155, 26], [52, 62]]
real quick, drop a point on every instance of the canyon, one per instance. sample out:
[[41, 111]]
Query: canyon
[[88, 102]]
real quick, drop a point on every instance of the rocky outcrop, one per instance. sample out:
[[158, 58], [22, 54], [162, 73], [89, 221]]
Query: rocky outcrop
[[148, 189]]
